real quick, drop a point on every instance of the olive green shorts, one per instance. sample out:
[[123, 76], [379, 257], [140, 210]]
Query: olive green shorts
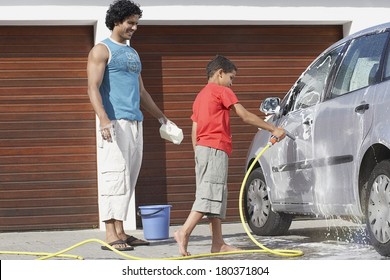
[[211, 182]]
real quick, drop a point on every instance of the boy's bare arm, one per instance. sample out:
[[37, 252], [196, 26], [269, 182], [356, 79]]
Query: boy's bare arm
[[255, 120]]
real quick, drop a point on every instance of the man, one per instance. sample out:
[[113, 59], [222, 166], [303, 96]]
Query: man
[[116, 92]]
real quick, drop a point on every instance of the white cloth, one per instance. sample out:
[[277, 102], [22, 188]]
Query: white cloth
[[119, 164]]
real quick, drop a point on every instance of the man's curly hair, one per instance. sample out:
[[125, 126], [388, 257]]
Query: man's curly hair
[[119, 10]]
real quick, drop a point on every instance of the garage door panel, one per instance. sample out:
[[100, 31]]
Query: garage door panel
[[47, 31], [41, 82], [19, 93], [243, 38], [38, 108], [48, 210], [45, 199], [48, 151], [38, 64], [287, 49], [44, 186], [44, 175], [198, 62], [48, 222], [38, 74], [54, 125], [193, 89], [52, 116], [57, 42], [52, 167], [42, 51], [249, 78], [48, 159], [48, 133], [63, 202], [47, 144]]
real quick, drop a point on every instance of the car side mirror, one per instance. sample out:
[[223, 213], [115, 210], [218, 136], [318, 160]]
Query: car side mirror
[[270, 106]]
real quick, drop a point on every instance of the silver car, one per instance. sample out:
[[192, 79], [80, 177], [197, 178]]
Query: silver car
[[339, 163]]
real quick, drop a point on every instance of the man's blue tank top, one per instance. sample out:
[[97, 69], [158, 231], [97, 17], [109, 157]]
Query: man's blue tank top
[[120, 88]]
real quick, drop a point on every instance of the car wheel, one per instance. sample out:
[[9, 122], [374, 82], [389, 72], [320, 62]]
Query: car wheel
[[259, 215], [378, 208]]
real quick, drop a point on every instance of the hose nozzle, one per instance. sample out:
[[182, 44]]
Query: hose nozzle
[[289, 135], [274, 139]]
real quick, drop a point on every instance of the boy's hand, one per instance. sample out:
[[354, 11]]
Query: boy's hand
[[278, 133]]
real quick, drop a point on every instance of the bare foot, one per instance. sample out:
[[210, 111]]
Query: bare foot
[[182, 241], [224, 248]]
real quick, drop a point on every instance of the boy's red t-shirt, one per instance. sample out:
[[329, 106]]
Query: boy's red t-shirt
[[211, 112]]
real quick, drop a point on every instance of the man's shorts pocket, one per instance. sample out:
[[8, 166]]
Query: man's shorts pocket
[[112, 170], [113, 177]]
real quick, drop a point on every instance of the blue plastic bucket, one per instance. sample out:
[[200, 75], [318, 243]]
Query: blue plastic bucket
[[155, 221]]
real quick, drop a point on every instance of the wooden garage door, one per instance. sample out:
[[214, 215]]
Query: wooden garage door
[[47, 129], [269, 58]]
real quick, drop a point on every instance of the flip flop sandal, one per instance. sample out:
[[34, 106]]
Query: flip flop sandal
[[118, 242], [133, 241]]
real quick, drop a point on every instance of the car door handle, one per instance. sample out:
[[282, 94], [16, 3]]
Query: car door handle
[[362, 108]]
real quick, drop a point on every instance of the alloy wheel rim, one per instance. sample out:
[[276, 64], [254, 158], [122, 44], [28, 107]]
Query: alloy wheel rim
[[379, 209], [258, 204]]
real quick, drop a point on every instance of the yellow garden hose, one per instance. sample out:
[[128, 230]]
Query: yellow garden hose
[[284, 253], [263, 249]]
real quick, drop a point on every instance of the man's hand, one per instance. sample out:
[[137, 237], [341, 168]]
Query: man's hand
[[106, 132]]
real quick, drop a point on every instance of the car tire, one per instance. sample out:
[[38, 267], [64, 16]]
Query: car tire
[[257, 207], [378, 208]]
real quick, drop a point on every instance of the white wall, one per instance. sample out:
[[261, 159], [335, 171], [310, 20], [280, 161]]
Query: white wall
[[354, 15]]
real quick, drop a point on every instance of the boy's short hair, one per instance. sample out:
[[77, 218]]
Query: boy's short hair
[[119, 10], [220, 62]]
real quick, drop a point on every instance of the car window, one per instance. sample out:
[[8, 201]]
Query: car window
[[309, 88], [387, 65], [360, 64]]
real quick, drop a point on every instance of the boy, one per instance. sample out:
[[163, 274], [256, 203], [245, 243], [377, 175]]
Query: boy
[[211, 140]]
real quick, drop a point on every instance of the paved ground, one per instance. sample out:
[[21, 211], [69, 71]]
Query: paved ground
[[320, 239]]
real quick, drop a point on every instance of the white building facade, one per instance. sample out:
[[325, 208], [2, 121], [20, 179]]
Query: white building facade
[[353, 15]]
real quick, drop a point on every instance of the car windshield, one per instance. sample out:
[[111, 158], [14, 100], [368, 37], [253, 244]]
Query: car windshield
[[310, 86]]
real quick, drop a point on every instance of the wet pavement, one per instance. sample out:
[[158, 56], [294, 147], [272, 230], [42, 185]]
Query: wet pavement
[[317, 239]]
